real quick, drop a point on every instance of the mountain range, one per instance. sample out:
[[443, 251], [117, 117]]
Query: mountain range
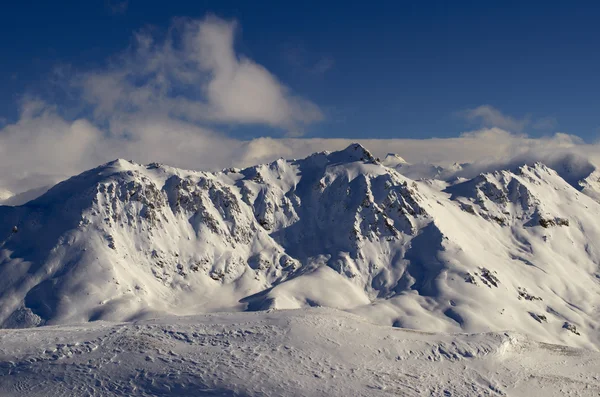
[[511, 248]]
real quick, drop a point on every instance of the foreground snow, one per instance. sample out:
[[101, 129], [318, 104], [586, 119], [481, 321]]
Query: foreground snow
[[308, 352]]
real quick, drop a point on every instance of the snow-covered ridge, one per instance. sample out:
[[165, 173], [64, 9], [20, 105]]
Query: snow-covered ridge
[[509, 249]]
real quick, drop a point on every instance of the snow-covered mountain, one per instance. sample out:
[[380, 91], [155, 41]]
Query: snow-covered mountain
[[514, 249]]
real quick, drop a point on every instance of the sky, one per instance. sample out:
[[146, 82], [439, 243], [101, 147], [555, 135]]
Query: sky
[[206, 84]]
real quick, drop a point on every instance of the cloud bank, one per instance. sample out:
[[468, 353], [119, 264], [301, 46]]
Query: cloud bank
[[168, 98], [42, 147]]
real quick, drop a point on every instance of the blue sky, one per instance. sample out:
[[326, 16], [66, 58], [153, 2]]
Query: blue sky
[[383, 69], [214, 84]]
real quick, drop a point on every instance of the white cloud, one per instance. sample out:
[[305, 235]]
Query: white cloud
[[42, 147], [163, 101], [489, 145], [240, 89], [195, 74], [488, 116]]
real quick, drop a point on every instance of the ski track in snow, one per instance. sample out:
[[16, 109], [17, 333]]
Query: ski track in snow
[[307, 352]]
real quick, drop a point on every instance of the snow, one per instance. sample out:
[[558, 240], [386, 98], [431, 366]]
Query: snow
[[311, 352], [509, 249], [393, 160]]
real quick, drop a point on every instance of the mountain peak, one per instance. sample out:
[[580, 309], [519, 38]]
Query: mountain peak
[[120, 165], [354, 152], [393, 160]]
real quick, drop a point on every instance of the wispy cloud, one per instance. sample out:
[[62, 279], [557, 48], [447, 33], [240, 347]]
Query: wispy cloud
[[299, 58], [117, 6], [488, 116], [323, 65], [545, 123]]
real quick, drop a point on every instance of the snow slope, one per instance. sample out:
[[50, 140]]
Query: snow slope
[[313, 352], [512, 249]]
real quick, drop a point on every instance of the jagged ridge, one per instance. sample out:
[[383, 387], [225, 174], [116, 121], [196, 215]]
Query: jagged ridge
[[339, 229]]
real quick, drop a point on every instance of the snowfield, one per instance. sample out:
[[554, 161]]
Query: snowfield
[[497, 274], [311, 352]]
